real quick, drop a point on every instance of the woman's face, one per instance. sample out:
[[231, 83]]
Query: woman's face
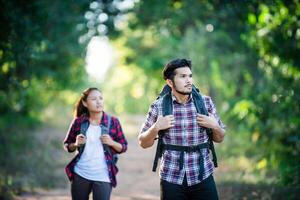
[[94, 102]]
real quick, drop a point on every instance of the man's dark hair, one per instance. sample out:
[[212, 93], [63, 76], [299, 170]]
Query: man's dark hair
[[169, 69]]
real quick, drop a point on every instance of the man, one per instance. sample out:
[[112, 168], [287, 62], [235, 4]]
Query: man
[[186, 168]]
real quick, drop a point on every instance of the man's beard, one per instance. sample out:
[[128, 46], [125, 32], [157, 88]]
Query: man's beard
[[181, 92]]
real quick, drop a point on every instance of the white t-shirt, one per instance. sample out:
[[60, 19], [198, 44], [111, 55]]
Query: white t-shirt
[[92, 164]]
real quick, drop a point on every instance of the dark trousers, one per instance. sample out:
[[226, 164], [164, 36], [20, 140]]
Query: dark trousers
[[206, 190], [81, 189]]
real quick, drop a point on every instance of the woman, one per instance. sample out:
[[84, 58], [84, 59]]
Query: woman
[[97, 138]]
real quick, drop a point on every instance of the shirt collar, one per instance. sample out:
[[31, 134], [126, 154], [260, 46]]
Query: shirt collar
[[175, 100], [104, 120]]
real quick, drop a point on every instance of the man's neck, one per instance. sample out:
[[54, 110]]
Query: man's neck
[[181, 98]]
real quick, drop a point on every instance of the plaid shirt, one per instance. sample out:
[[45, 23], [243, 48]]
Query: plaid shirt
[[116, 134], [186, 132]]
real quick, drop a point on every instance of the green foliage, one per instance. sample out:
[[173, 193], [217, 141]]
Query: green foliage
[[39, 55], [12, 152], [245, 55], [38, 45], [277, 104]]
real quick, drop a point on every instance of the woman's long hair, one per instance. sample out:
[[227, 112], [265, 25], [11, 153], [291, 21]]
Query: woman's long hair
[[80, 109]]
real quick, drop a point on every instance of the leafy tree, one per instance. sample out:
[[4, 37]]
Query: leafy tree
[[245, 55], [275, 27], [39, 56]]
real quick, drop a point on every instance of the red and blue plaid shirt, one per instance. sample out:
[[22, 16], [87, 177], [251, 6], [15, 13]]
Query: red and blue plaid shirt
[[116, 134], [186, 132]]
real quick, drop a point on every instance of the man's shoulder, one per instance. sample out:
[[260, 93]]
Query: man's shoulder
[[156, 106], [206, 97], [157, 102]]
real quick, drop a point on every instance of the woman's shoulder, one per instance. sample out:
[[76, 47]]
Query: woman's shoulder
[[113, 118], [79, 119]]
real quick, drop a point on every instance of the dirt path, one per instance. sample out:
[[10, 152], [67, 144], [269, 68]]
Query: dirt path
[[135, 179]]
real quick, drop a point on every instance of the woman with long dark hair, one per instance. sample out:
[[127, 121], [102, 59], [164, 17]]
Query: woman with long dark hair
[[97, 138]]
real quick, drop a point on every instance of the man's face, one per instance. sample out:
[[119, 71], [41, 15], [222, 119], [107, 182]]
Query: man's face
[[183, 81]]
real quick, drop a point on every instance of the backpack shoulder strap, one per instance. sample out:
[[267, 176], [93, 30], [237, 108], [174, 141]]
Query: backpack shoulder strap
[[106, 130], [108, 122], [167, 106], [83, 128], [167, 100], [200, 107], [198, 101], [166, 89], [114, 156]]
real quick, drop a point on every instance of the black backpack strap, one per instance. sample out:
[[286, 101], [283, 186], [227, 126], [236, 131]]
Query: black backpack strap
[[200, 107], [167, 110], [83, 128], [166, 90], [159, 151], [183, 149]]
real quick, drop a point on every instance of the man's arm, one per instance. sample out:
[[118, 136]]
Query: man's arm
[[211, 122], [218, 134], [146, 138]]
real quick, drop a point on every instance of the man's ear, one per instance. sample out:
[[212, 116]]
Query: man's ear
[[170, 83]]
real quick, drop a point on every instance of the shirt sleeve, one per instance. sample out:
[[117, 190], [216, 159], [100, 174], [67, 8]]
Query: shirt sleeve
[[211, 108], [118, 134], [71, 135], [151, 118]]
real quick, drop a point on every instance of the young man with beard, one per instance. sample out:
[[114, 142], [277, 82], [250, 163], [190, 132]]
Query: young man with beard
[[186, 134]]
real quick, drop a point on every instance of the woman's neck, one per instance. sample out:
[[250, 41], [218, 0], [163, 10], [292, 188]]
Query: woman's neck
[[95, 118]]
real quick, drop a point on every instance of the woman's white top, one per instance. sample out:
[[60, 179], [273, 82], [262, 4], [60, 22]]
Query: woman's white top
[[92, 164]]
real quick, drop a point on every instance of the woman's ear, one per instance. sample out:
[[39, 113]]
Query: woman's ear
[[83, 103]]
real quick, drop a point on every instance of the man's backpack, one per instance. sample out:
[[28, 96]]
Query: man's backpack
[[104, 130], [168, 110]]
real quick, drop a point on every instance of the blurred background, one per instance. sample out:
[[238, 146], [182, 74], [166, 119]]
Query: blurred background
[[245, 55]]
